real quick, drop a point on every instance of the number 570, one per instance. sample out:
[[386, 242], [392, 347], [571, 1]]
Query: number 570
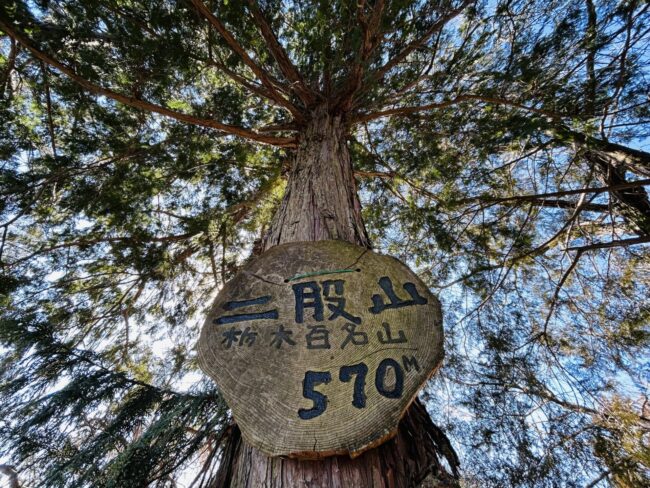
[[359, 371]]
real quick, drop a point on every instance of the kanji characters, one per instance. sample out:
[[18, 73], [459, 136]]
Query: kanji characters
[[318, 337], [387, 337], [229, 319], [234, 336], [282, 335], [310, 295], [336, 304], [386, 285], [354, 337]]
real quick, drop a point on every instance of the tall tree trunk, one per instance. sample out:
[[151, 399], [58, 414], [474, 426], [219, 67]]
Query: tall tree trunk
[[321, 203], [321, 199]]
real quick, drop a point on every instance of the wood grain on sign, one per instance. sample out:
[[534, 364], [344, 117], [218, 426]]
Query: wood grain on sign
[[319, 347]]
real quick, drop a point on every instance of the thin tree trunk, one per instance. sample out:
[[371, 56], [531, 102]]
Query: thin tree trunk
[[631, 203], [632, 160], [611, 162], [321, 203]]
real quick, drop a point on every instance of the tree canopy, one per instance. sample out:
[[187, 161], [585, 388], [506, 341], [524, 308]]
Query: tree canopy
[[498, 148]]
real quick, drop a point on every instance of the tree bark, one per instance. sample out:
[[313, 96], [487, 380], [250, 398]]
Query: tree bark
[[414, 458], [631, 203], [321, 199], [630, 159], [321, 203]]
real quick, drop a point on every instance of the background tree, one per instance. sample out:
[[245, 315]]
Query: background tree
[[498, 149]]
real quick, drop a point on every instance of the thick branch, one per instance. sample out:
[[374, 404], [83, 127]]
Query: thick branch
[[137, 103], [568, 204], [369, 41], [279, 54], [590, 45], [248, 61], [632, 203], [11, 62], [239, 79], [633, 160], [82, 243], [539, 202]]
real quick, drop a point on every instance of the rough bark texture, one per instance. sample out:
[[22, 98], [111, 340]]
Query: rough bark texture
[[414, 458], [321, 200], [321, 203]]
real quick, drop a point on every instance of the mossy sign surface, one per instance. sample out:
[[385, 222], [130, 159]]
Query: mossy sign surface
[[319, 347]]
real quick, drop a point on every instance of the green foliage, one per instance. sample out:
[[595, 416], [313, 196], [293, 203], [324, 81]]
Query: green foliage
[[117, 223]]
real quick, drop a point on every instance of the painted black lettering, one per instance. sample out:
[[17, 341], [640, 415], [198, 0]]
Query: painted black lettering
[[387, 337], [241, 317], [380, 379], [230, 319], [410, 362], [336, 304], [354, 337], [386, 285], [308, 295], [360, 371], [311, 380]]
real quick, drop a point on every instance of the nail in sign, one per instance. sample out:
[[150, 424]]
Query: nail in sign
[[319, 347]]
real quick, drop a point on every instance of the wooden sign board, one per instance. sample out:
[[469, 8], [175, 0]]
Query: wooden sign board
[[319, 347]]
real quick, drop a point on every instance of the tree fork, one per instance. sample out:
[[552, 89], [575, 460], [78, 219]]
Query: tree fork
[[321, 203]]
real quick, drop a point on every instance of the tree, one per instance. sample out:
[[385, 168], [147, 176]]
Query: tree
[[149, 147]]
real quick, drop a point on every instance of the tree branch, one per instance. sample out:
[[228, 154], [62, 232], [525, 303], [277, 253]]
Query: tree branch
[[435, 27], [248, 61], [99, 240], [242, 80], [369, 41], [606, 245], [600, 478], [11, 473], [48, 101], [558, 289], [590, 45], [568, 204], [460, 98], [141, 104], [634, 160], [11, 63], [279, 54], [600, 189]]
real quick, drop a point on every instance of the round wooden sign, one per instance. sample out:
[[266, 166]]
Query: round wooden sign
[[319, 347]]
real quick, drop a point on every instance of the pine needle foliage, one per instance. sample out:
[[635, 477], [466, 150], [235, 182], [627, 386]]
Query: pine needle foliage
[[499, 149]]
